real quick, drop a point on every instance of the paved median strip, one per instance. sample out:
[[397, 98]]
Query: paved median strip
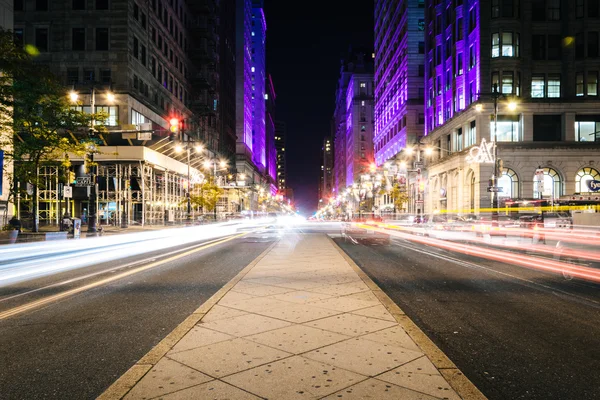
[[302, 318]]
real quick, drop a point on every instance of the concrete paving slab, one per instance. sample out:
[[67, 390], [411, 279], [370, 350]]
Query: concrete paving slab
[[350, 324], [199, 337], [213, 390], [298, 313], [261, 290], [363, 356], [342, 289], [258, 304], [234, 297], [245, 325], [379, 312], [220, 312], [165, 377], [395, 336], [294, 378], [344, 304], [378, 390], [226, 358], [414, 376], [301, 296], [297, 339]]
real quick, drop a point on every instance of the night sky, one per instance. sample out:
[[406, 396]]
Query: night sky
[[305, 43]]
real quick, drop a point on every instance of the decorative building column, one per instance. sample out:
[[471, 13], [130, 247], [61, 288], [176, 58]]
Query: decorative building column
[[569, 127], [527, 123]]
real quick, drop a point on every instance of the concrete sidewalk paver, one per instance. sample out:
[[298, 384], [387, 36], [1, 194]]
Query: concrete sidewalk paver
[[301, 324]]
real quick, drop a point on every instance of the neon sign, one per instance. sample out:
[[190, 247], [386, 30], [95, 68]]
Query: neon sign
[[482, 154]]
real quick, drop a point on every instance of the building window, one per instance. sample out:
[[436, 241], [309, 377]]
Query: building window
[[553, 86], [579, 8], [518, 84], [459, 64], [553, 10], [41, 5], [538, 47], [471, 57], [538, 84], [78, 39], [112, 112], [507, 44], [507, 82], [495, 45], [554, 47], [579, 45], [72, 75], [593, 9], [421, 47], [579, 84], [78, 4], [583, 176], [136, 45], [592, 44], [509, 182], [495, 8], [459, 29], [143, 21], [472, 135], [41, 39], [459, 139], [102, 39], [472, 19], [495, 80], [551, 185], [101, 4], [592, 83], [105, 76], [586, 128], [508, 128], [89, 75], [136, 11], [538, 10]]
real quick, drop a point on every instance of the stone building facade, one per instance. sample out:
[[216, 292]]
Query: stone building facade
[[522, 75]]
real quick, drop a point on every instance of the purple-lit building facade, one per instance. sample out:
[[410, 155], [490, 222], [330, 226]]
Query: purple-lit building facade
[[353, 120], [258, 80], [243, 100], [543, 58], [399, 76]]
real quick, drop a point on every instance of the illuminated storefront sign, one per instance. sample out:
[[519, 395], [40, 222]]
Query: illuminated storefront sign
[[482, 154]]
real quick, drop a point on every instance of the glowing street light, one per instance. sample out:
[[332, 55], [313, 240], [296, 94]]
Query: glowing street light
[[74, 96]]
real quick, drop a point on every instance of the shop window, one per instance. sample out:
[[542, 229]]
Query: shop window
[[582, 178], [509, 182], [549, 187], [508, 128]]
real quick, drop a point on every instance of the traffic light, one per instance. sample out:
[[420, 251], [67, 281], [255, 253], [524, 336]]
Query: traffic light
[[173, 128], [421, 184], [72, 178]]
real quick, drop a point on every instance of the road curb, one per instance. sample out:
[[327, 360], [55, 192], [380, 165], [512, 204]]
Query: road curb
[[455, 378], [133, 375]]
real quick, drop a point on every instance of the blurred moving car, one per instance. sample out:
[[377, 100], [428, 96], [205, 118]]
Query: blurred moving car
[[357, 231]]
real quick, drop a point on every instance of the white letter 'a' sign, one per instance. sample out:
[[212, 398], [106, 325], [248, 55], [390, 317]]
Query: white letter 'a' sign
[[482, 154]]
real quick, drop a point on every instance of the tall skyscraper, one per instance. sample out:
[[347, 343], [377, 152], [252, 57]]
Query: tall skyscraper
[[399, 76], [280, 134], [326, 177], [227, 65], [353, 119], [243, 93], [157, 66], [258, 78], [521, 75]]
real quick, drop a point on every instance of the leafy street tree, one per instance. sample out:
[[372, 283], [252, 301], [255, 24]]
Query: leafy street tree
[[206, 194], [399, 196], [38, 125]]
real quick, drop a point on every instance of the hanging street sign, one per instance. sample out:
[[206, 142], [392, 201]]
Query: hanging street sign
[[67, 192], [482, 154], [494, 189]]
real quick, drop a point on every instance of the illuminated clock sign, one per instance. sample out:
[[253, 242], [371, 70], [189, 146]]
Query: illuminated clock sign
[[482, 154]]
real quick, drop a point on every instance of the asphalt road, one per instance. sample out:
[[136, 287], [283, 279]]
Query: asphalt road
[[76, 347], [516, 333]]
